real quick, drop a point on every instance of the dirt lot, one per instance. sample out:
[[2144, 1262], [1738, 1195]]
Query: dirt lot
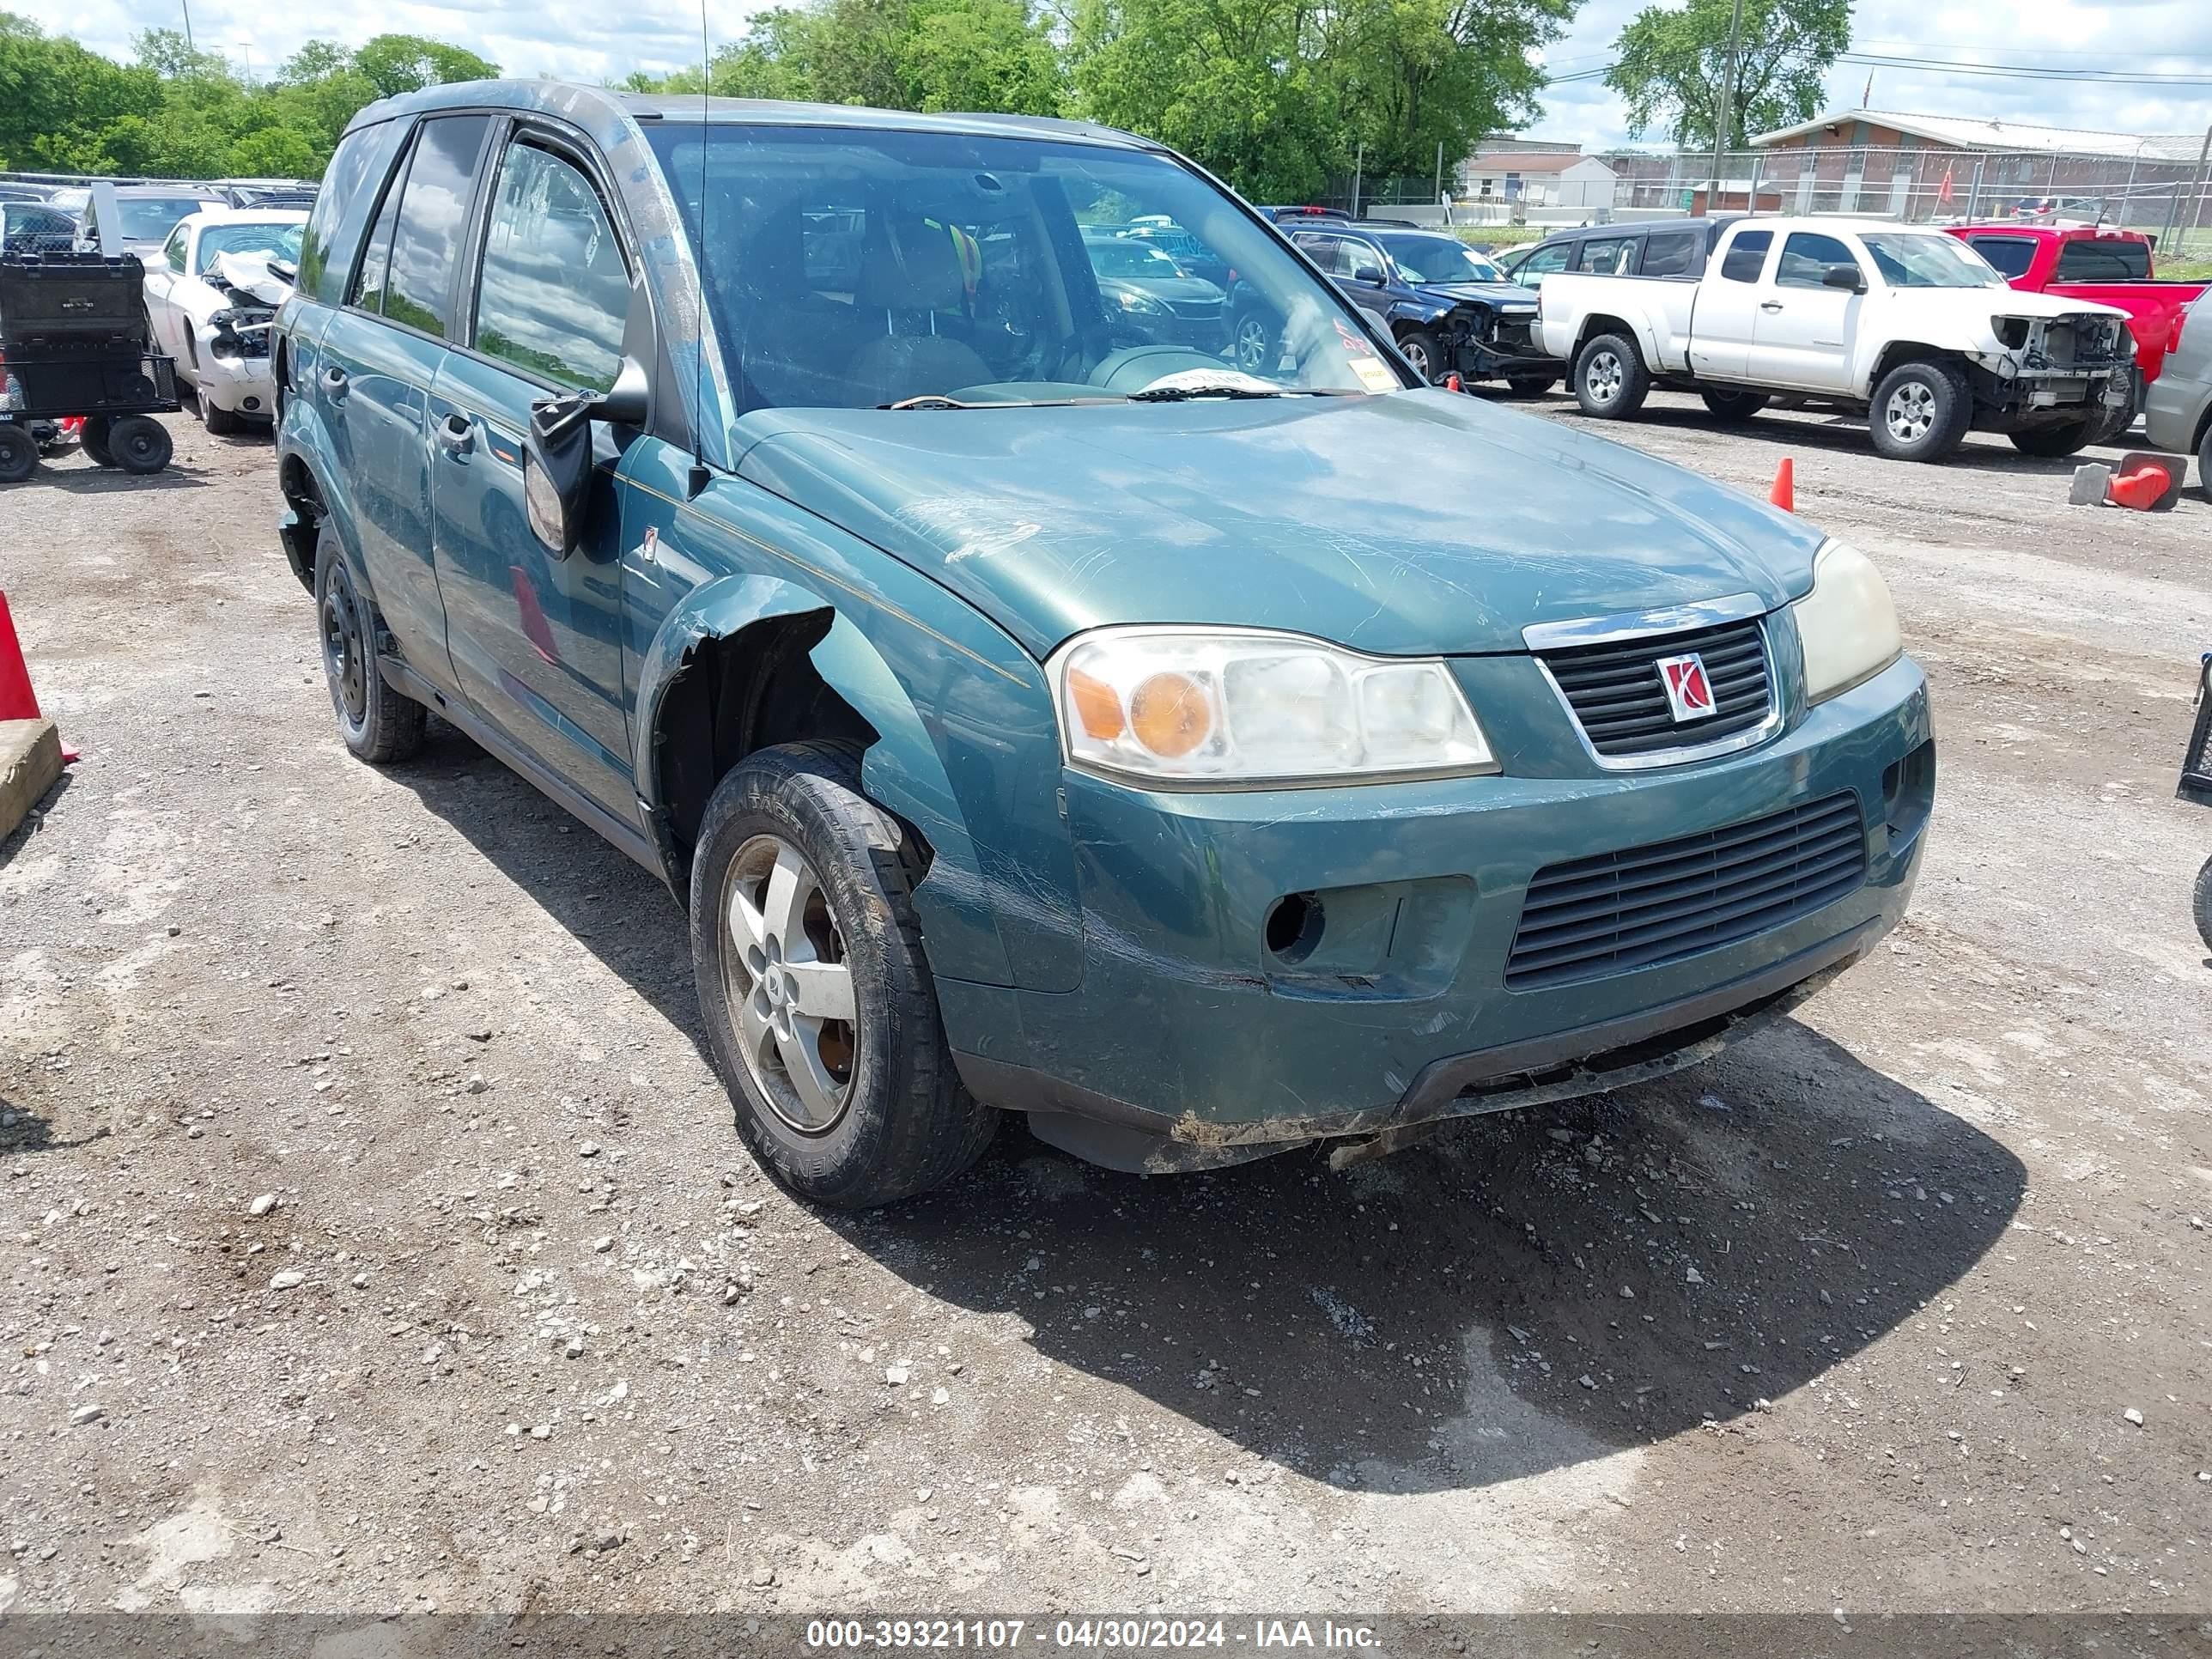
[[1901, 1306]]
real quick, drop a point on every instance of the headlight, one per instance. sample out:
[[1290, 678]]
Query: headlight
[[1133, 301], [1847, 625], [2011, 332], [1196, 706]]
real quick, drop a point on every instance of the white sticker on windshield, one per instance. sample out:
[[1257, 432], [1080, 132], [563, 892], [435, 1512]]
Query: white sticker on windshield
[[1374, 375]]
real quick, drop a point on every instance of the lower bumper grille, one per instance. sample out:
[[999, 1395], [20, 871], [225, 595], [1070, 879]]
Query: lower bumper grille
[[1619, 911]]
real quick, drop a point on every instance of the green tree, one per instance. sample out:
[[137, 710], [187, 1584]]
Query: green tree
[[1670, 65], [394, 63]]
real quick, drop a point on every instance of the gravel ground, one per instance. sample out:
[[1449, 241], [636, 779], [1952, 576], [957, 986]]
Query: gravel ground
[[377, 1239]]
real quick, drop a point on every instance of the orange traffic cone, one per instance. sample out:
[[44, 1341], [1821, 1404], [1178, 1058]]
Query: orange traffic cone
[[17, 701], [1785, 493]]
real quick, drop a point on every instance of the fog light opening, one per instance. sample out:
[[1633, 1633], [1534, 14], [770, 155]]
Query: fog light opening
[[1294, 926]]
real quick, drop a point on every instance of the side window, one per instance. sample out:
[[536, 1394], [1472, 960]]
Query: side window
[[1326, 251], [175, 252], [433, 213], [2011, 255], [1607, 256], [1362, 261], [1543, 262], [1806, 259], [555, 292], [2105, 259], [1670, 253], [368, 283], [348, 177], [1747, 256]]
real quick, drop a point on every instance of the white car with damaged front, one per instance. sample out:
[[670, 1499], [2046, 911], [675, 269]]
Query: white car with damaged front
[[211, 295], [1902, 323]]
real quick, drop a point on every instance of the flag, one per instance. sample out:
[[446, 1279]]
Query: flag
[[1943, 193]]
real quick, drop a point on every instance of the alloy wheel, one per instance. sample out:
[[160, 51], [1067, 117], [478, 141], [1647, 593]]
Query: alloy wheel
[[1251, 343], [789, 988], [1417, 358], [1910, 412], [1602, 377]]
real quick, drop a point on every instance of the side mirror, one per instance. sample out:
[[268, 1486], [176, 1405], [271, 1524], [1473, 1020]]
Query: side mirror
[[557, 457], [1843, 276], [1370, 275]]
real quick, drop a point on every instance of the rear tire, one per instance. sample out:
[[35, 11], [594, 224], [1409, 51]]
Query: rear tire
[[1734, 405], [2204, 464], [379, 726], [1921, 412], [1611, 382], [19, 455], [843, 1084], [1422, 354], [92, 440], [2051, 441], [140, 444], [2203, 906]]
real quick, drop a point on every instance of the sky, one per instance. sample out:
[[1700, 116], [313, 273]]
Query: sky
[[594, 40]]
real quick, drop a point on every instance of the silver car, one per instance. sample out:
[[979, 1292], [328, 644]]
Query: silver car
[[2177, 408]]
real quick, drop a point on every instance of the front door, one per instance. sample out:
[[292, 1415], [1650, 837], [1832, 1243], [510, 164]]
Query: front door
[[1727, 311], [164, 272], [536, 638], [1806, 329]]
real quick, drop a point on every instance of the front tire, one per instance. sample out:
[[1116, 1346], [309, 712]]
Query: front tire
[[19, 455], [1733, 406], [2204, 464], [1253, 343], [219, 422], [1422, 354], [817, 997], [1611, 382], [2203, 906], [1921, 412], [379, 726]]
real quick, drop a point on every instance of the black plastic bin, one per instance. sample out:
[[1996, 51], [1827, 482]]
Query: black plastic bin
[[74, 341]]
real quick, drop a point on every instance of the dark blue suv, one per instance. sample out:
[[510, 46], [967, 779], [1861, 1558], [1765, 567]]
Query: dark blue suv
[[1449, 309]]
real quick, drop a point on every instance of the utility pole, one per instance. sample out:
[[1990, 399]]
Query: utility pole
[[187, 5], [2205, 173], [1358, 167], [1727, 97]]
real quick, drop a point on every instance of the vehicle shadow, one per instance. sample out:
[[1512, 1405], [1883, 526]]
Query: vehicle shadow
[[1451, 1316], [1523, 1292], [107, 481], [617, 911]]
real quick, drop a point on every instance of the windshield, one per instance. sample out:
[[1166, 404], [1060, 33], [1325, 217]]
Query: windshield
[[280, 243], [1909, 259], [1438, 259], [851, 268], [151, 218]]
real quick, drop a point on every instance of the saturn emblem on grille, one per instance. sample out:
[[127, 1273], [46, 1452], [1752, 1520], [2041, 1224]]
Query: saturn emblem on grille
[[1689, 693]]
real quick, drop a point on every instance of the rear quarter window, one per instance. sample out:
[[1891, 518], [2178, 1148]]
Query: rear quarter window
[[350, 186], [1670, 253]]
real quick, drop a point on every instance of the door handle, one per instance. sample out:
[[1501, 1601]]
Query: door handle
[[455, 432], [334, 384], [1770, 305]]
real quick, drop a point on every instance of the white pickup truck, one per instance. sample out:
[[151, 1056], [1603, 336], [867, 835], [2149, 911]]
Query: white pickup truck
[[1907, 326]]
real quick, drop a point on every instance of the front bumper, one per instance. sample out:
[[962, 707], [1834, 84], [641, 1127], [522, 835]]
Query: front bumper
[[1191, 1024], [2174, 409], [243, 385]]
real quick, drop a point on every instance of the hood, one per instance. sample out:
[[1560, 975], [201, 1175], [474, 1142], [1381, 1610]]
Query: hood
[[1411, 524], [255, 276], [2011, 302], [1499, 296], [1183, 290]]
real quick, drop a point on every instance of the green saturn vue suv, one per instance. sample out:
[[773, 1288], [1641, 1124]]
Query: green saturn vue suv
[[1203, 752]]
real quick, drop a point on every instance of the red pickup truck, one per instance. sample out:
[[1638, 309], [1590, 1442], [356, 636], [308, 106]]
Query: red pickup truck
[[2091, 262]]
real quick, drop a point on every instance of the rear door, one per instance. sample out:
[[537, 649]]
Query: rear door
[[536, 639], [1727, 311], [380, 357], [1804, 330]]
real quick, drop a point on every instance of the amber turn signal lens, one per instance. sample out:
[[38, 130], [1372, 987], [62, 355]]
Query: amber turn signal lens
[[1170, 716], [1097, 710]]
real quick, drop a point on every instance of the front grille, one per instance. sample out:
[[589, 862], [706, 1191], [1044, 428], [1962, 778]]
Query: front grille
[[1620, 701], [1196, 308], [1660, 904]]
